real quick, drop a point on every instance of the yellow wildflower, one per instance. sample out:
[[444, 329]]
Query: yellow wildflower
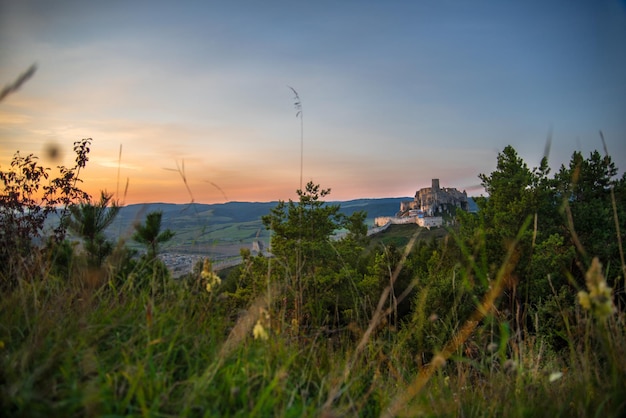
[[598, 299], [583, 299], [212, 280], [259, 332], [206, 267]]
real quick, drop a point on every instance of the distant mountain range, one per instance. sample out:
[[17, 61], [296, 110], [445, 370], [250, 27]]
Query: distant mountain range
[[202, 215], [228, 226], [250, 211]]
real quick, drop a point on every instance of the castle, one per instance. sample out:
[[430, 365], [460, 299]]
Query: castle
[[433, 200], [428, 206]]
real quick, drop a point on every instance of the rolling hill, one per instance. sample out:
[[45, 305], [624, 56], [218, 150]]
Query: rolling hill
[[219, 231], [203, 227]]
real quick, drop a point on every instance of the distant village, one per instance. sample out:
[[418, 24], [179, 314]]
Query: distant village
[[427, 209]]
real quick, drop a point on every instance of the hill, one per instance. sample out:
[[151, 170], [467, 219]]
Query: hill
[[400, 235], [221, 230]]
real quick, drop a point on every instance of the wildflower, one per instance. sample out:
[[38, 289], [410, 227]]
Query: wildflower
[[259, 332], [212, 280], [554, 376], [598, 300]]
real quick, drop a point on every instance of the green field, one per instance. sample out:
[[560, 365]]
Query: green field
[[400, 235]]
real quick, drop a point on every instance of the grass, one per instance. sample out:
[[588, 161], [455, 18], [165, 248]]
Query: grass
[[71, 349], [400, 235]]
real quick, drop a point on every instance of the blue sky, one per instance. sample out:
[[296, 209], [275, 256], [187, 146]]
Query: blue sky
[[394, 93]]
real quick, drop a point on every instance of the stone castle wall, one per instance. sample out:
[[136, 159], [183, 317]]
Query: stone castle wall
[[435, 199], [428, 202], [383, 220]]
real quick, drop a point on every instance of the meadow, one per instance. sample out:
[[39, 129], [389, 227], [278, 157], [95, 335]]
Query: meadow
[[515, 311]]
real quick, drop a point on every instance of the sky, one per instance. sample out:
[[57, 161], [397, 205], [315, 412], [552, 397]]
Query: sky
[[392, 93]]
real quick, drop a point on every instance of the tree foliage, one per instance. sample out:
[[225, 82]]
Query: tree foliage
[[150, 234], [314, 265], [585, 187], [89, 221], [29, 197], [569, 220]]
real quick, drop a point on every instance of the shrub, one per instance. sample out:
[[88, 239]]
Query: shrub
[[26, 205]]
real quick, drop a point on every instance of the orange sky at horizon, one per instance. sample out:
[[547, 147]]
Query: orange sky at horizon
[[131, 183]]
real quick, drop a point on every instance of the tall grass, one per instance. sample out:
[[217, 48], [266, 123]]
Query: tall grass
[[70, 347]]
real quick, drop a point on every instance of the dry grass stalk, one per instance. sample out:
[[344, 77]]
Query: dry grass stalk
[[18, 82]]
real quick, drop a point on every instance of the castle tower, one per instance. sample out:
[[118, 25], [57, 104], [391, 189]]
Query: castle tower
[[435, 185]]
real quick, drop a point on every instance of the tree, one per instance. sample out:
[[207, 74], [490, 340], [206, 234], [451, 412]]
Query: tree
[[150, 235], [517, 196], [570, 219], [310, 259], [89, 221], [585, 186], [509, 202]]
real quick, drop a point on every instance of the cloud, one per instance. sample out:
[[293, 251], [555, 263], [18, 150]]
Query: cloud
[[104, 162]]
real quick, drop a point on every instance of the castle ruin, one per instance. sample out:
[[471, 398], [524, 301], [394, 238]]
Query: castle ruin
[[435, 199], [428, 207]]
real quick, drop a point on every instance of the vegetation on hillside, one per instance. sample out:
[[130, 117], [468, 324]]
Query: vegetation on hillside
[[516, 311]]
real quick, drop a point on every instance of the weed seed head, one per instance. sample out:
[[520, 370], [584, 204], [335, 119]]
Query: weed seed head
[[597, 299], [510, 366]]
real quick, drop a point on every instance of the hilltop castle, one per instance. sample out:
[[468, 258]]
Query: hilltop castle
[[433, 200], [427, 207]]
